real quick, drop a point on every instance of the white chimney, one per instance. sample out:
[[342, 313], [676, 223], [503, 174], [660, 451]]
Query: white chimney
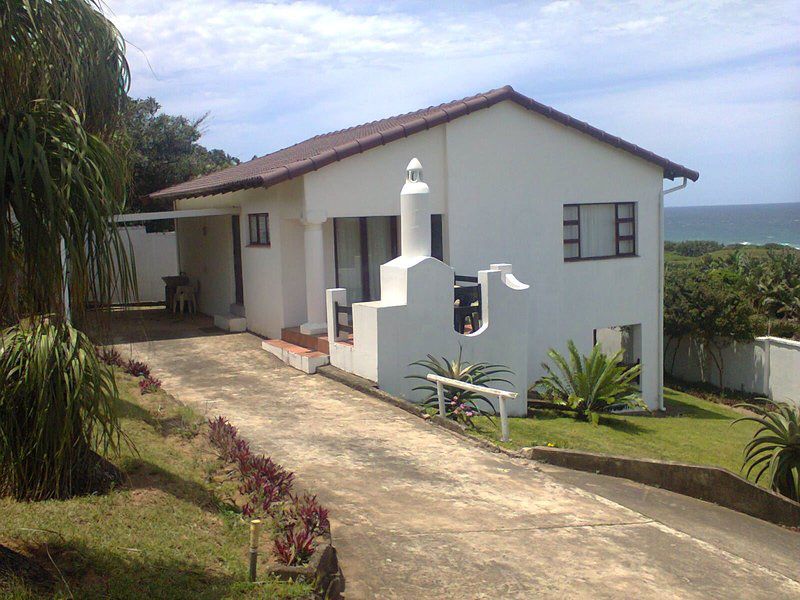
[[415, 213]]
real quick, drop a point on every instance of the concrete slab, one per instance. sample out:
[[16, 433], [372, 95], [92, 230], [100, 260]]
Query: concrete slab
[[418, 512]]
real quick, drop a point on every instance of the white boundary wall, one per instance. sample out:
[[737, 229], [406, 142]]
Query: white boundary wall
[[156, 255], [769, 366]]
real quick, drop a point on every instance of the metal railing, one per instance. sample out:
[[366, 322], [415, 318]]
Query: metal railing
[[502, 396], [347, 311], [466, 296]]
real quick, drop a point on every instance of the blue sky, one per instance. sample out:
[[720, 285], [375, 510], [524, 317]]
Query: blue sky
[[714, 85]]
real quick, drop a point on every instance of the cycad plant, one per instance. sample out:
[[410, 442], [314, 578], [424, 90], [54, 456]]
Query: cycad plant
[[56, 413], [590, 384], [460, 405], [774, 450]]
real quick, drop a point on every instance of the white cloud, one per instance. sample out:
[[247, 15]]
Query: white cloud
[[272, 73]]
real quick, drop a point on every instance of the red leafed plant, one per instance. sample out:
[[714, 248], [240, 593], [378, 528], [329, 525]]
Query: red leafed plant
[[137, 368], [295, 546], [149, 385], [110, 357], [299, 520]]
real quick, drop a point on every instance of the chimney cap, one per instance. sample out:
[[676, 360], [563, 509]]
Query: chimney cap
[[414, 171]]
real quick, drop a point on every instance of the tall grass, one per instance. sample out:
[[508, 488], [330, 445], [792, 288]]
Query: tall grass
[[57, 413]]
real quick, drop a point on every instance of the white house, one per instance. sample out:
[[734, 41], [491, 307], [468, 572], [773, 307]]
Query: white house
[[577, 211]]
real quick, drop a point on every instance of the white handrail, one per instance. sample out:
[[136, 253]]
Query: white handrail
[[502, 396]]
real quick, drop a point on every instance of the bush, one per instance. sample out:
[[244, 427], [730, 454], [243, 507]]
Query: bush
[[110, 357], [693, 247], [775, 447], [460, 405], [593, 384], [57, 411]]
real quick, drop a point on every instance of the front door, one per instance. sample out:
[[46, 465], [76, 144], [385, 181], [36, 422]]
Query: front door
[[237, 259]]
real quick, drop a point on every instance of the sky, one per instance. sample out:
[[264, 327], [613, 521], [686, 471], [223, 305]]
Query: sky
[[713, 85]]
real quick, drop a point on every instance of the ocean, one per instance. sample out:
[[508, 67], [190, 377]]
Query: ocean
[[735, 223]]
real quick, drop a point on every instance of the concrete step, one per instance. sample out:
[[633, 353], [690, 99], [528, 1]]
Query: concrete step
[[230, 323], [295, 356], [237, 310]]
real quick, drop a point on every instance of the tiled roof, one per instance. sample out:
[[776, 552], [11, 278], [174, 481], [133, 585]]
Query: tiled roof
[[322, 150]]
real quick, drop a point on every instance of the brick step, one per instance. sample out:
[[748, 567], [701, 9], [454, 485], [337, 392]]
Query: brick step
[[304, 359], [293, 335]]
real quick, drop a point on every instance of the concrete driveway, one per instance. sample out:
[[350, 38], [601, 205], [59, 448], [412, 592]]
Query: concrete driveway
[[418, 512]]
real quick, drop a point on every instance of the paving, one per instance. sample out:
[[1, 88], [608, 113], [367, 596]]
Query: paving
[[419, 512]]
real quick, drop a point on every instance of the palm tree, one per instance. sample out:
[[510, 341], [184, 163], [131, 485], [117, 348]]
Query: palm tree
[[62, 179]]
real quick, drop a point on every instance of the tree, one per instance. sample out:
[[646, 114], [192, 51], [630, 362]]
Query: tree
[[62, 179], [164, 149], [678, 322]]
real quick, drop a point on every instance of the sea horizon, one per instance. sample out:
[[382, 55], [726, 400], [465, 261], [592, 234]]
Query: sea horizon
[[748, 224]]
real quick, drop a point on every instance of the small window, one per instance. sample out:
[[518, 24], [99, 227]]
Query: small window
[[602, 230], [259, 229]]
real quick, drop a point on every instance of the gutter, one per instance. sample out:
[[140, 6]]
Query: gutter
[[661, 290]]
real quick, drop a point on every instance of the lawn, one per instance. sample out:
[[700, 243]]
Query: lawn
[[702, 434], [167, 534]]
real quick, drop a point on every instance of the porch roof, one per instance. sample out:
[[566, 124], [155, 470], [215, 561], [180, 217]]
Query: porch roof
[[176, 214], [325, 149]]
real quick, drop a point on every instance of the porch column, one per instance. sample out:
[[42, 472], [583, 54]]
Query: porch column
[[315, 274]]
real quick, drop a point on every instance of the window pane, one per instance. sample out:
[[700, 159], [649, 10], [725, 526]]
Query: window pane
[[263, 238], [626, 246], [253, 229], [571, 213], [571, 250], [570, 232], [625, 211], [379, 246], [348, 257], [598, 230], [626, 228]]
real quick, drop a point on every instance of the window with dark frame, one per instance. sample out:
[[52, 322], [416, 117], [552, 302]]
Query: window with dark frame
[[599, 230], [259, 229]]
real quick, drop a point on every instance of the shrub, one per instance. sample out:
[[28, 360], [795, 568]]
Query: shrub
[[593, 384], [223, 437], [56, 413], [774, 450], [295, 546], [137, 368], [460, 405], [149, 385]]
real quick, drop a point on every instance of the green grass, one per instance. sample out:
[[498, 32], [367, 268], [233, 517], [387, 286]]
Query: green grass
[[702, 435], [167, 534]]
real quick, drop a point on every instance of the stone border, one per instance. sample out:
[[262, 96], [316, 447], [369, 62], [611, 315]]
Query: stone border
[[711, 484], [322, 569]]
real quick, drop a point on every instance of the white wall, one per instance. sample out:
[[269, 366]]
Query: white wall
[[206, 253], [156, 255], [501, 177], [510, 171], [768, 366], [414, 317], [274, 277]]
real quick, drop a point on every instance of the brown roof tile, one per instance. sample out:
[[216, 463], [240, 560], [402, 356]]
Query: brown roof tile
[[321, 150]]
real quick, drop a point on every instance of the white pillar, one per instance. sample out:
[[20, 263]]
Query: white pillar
[[415, 213], [315, 274]]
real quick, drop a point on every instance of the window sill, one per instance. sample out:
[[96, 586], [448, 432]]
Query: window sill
[[582, 259], [258, 246]]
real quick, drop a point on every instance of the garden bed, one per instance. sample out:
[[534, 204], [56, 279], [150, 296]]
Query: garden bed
[[171, 531]]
